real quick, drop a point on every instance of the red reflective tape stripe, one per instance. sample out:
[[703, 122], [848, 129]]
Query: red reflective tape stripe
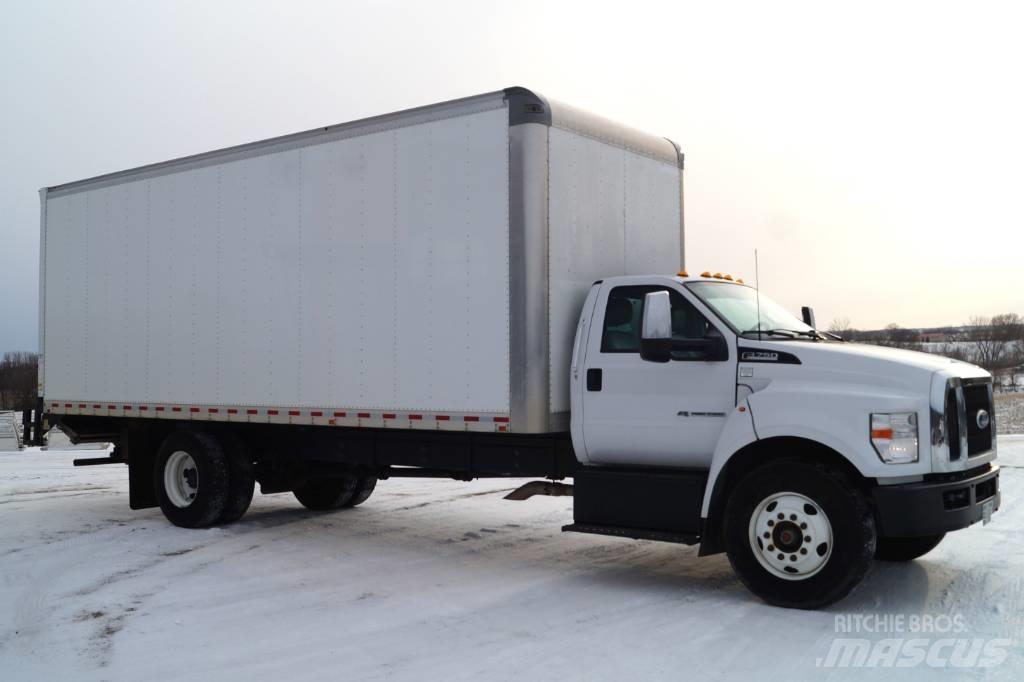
[[143, 408], [193, 409], [159, 408], [388, 415], [293, 413], [55, 405], [81, 406], [175, 409], [415, 417], [96, 407], [363, 415], [127, 407], [316, 413], [501, 419], [111, 407], [339, 414], [251, 411], [442, 417], [212, 410], [67, 404], [272, 413], [232, 410], [470, 419]]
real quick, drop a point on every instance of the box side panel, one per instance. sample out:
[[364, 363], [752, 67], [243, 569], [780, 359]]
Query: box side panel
[[364, 272], [612, 212]]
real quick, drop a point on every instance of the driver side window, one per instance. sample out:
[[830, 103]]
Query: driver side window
[[624, 312]]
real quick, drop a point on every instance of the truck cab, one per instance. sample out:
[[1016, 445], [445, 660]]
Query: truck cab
[[721, 418]]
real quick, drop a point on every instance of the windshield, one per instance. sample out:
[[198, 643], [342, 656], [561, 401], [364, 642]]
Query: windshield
[[738, 305]]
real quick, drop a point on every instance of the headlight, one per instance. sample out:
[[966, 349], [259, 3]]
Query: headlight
[[894, 436]]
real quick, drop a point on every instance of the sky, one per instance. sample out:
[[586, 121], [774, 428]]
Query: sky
[[873, 153]]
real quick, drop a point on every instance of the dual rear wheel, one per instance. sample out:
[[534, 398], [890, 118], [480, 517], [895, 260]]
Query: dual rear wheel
[[202, 480]]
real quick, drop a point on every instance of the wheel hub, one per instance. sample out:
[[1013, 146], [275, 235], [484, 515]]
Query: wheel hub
[[790, 535], [181, 479]]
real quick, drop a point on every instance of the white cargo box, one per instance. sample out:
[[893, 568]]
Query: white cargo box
[[423, 269]]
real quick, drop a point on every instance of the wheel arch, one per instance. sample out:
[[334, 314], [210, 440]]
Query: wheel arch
[[753, 455]]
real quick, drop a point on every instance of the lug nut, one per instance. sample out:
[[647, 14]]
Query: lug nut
[[770, 523], [781, 557], [792, 557], [771, 548], [767, 535], [792, 517], [807, 538], [782, 516], [803, 550]]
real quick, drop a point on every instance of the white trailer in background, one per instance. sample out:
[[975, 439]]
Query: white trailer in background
[[10, 437], [488, 287]]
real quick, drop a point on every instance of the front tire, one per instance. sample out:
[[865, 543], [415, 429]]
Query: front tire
[[906, 549], [798, 534], [191, 479]]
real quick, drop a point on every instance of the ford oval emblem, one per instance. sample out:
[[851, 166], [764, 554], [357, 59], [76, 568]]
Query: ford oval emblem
[[982, 419]]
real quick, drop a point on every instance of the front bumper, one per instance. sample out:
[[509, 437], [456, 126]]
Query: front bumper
[[944, 503]]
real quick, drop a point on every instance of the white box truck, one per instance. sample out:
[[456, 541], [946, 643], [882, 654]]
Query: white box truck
[[488, 287]]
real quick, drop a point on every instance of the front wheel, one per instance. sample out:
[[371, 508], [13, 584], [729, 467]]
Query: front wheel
[[906, 549], [799, 534]]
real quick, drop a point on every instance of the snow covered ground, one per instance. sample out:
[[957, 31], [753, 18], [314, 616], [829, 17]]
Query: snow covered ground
[[444, 580], [1009, 412]]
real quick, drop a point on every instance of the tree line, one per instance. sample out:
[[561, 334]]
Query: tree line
[[18, 381], [994, 343]]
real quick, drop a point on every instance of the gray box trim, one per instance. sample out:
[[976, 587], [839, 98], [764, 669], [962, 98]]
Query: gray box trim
[[529, 362]]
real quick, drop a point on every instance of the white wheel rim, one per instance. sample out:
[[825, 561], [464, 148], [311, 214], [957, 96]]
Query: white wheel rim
[[790, 535], [181, 479]]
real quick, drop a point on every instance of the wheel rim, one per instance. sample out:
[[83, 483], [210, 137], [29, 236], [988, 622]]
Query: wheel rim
[[790, 535], [181, 479]]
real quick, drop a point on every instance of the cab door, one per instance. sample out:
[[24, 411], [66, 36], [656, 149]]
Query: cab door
[[637, 412]]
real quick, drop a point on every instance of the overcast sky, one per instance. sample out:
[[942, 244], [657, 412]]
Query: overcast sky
[[874, 154]]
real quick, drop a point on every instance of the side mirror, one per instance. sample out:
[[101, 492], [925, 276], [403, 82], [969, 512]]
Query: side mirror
[[656, 328], [808, 314]]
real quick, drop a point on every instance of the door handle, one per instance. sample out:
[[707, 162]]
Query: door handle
[[594, 378]]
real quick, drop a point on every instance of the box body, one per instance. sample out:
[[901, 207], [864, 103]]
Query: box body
[[423, 269]]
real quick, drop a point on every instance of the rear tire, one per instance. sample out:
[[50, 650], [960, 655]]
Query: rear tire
[[241, 479], [364, 488], [191, 479], [906, 549], [816, 552], [327, 493]]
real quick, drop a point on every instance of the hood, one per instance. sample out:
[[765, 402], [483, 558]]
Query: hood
[[863, 363]]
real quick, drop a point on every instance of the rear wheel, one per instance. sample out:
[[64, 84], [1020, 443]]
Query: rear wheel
[[364, 488], [798, 534], [191, 479], [241, 479], [906, 549], [327, 493]]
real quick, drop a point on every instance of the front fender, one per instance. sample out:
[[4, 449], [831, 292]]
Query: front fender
[[839, 417], [836, 417], [736, 435]]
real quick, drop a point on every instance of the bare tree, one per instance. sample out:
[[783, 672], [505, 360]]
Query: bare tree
[[896, 336], [18, 381], [996, 340], [841, 326]]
